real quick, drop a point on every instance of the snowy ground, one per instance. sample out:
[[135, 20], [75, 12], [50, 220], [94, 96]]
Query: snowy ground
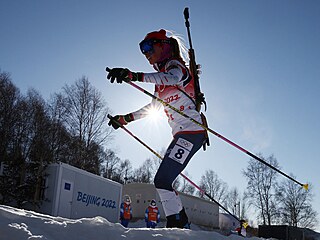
[[17, 224]]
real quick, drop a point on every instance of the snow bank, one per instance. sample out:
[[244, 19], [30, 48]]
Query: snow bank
[[18, 224]]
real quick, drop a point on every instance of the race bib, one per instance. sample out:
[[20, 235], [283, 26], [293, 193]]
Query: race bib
[[181, 150]]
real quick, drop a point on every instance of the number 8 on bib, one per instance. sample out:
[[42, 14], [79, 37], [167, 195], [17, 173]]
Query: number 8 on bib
[[181, 150]]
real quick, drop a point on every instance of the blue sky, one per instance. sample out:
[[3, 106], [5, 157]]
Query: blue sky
[[260, 71]]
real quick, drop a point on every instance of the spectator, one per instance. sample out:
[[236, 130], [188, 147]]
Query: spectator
[[125, 211], [152, 215]]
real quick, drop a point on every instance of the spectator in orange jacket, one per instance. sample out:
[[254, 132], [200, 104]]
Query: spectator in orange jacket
[[152, 214], [125, 211]]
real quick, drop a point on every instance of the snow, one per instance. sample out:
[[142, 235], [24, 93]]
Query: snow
[[18, 224]]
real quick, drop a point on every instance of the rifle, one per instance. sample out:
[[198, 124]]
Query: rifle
[[194, 67]]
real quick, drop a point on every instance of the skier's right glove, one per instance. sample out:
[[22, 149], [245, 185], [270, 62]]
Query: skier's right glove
[[120, 120], [123, 75]]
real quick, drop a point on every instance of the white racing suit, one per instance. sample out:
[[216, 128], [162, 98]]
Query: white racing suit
[[174, 85]]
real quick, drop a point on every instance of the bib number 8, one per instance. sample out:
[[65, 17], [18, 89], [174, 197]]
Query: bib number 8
[[179, 154]]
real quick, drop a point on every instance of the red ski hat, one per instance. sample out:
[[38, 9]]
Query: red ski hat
[[146, 45], [161, 35]]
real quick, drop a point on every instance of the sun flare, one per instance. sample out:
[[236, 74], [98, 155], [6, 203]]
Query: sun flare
[[154, 114]]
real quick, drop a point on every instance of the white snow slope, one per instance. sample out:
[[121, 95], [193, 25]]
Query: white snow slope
[[18, 224]]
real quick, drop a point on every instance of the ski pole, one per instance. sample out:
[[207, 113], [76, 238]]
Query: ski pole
[[305, 186], [184, 176]]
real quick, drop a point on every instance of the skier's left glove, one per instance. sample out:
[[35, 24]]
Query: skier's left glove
[[123, 75], [120, 120]]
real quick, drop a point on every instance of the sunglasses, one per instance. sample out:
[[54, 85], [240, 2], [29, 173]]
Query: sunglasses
[[147, 45]]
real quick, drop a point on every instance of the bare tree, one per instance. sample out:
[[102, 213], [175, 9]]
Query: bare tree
[[111, 164], [9, 97], [9, 101], [234, 202], [296, 205], [214, 186], [40, 152], [145, 173], [25, 166], [125, 171], [85, 118], [27, 153], [34, 134], [261, 186], [185, 186], [60, 138]]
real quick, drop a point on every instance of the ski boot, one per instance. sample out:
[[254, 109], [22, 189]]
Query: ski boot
[[184, 221], [173, 221], [179, 220]]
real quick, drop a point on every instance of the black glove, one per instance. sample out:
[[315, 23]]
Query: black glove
[[120, 120], [123, 75]]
